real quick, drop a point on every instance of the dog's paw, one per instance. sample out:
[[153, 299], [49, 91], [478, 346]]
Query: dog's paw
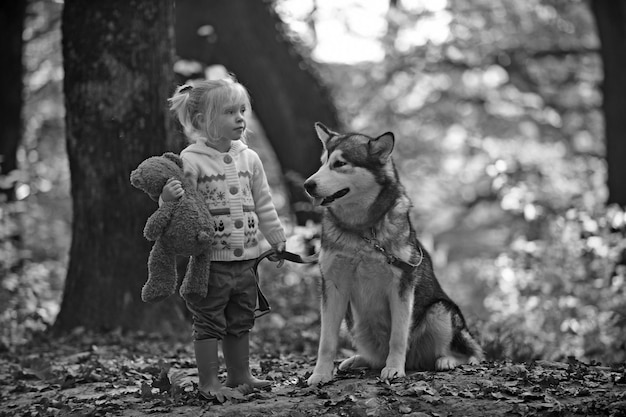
[[473, 360], [389, 372], [317, 379], [445, 363]]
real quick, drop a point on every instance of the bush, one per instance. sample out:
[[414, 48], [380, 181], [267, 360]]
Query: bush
[[32, 278], [563, 293]]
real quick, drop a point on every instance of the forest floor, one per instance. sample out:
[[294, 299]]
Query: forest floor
[[136, 375]]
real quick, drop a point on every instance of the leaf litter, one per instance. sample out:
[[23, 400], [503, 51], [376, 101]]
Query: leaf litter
[[138, 374]]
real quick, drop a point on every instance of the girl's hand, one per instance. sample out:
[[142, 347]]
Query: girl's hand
[[279, 247], [172, 190]]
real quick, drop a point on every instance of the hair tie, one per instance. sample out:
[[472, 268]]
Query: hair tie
[[185, 88]]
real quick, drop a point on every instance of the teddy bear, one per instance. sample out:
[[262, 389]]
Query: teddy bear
[[182, 227]]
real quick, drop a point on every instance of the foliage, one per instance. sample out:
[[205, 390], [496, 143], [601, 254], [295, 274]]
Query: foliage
[[32, 270], [35, 230], [562, 294]]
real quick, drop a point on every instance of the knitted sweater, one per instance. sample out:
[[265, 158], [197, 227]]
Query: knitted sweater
[[235, 188]]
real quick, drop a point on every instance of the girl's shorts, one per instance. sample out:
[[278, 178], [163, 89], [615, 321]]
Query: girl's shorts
[[229, 305]]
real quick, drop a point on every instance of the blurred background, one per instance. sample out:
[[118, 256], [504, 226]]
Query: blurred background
[[506, 139]]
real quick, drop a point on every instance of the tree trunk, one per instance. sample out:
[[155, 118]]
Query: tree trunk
[[12, 14], [287, 96], [610, 19], [118, 57]]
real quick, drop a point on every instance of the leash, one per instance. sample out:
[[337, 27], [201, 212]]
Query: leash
[[264, 308], [391, 258], [263, 305]]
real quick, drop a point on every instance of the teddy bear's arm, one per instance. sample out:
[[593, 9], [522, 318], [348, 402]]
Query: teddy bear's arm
[[158, 221]]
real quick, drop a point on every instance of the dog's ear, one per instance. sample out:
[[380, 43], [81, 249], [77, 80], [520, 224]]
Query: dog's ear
[[324, 133], [382, 146]]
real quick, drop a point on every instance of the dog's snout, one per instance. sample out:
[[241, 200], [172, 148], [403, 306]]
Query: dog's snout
[[310, 186]]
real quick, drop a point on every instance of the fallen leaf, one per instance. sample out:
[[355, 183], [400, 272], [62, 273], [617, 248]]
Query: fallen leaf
[[514, 371]]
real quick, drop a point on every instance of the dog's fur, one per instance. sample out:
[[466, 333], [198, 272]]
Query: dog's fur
[[398, 319]]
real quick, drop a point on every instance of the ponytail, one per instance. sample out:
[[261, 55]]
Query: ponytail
[[179, 104]]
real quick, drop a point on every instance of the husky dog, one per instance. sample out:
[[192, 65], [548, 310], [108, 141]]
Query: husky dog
[[375, 272]]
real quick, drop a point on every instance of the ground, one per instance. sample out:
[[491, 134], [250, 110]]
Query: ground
[[137, 375]]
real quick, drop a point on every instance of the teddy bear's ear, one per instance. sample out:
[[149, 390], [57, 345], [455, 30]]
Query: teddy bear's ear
[[172, 156]]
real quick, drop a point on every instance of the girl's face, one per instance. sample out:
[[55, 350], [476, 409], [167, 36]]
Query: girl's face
[[230, 122]]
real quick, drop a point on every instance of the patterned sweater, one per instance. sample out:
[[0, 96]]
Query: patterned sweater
[[235, 188]]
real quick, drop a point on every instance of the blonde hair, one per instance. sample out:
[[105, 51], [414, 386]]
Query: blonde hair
[[197, 104]]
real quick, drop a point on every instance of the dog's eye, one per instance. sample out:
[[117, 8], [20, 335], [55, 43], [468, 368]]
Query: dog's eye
[[339, 164]]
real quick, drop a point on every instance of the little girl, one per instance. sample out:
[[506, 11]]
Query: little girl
[[231, 179]]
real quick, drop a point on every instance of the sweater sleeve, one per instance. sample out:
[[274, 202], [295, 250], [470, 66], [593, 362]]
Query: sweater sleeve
[[269, 223], [191, 173]]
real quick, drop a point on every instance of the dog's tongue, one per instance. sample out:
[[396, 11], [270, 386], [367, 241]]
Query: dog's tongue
[[317, 201]]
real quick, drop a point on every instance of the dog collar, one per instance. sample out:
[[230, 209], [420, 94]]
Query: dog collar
[[391, 258]]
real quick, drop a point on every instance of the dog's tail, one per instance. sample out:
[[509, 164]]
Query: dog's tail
[[464, 343]]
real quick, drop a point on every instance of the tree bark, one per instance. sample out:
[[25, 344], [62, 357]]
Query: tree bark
[[610, 19], [118, 57], [12, 15], [287, 96]]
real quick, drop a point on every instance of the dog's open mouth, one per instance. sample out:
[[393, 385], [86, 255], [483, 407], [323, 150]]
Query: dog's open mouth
[[327, 200]]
